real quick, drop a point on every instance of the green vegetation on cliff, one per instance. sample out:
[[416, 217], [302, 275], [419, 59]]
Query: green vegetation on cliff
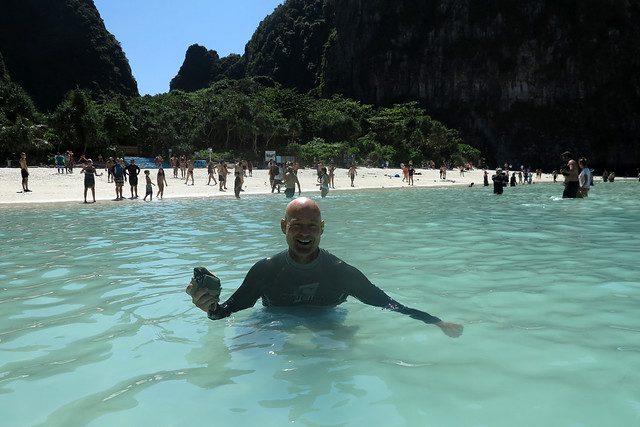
[[51, 47], [236, 117]]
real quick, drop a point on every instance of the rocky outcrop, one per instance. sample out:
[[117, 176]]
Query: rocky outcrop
[[51, 47], [201, 67], [522, 80]]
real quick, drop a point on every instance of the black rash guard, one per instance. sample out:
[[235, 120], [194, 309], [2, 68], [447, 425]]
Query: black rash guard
[[327, 281]]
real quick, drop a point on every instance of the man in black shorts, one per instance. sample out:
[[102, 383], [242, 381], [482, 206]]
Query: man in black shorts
[[24, 172], [570, 172], [132, 170], [290, 181], [306, 275]]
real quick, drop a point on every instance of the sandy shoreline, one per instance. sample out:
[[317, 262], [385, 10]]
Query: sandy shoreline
[[49, 186]]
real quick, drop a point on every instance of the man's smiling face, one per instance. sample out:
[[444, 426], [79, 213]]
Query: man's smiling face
[[303, 227]]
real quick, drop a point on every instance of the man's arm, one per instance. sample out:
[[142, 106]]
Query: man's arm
[[361, 288]]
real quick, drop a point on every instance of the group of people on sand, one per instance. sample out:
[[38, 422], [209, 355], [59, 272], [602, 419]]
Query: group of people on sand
[[64, 162], [119, 173]]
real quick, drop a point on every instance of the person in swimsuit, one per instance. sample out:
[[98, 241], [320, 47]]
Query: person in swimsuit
[[222, 175], [332, 172], [237, 184], [149, 186], [352, 173], [90, 173], [162, 181], [290, 181], [304, 274], [210, 169], [570, 172], [118, 177], [24, 172], [324, 183], [183, 166], [189, 172], [174, 166], [109, 168]]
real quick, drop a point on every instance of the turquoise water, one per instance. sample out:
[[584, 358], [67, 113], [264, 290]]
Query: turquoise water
[[97, 330]]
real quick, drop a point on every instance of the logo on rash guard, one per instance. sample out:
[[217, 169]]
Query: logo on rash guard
[[305, 293]]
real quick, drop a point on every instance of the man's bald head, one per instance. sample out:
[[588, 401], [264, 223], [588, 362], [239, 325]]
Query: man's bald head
[[299, 205]]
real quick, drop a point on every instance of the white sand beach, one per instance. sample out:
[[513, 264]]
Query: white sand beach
[[47, 185]]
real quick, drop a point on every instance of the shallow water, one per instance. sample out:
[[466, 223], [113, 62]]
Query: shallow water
[[97, 330]]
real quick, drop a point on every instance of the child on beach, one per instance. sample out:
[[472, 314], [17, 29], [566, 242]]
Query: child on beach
[[149, 186]]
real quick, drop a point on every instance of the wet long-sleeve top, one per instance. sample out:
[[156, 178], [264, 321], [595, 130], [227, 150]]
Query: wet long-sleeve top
[[327, 281]]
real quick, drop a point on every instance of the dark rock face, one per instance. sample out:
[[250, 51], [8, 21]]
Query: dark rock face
[[524, 81], [288, 44], [51, 47], [201, 67]]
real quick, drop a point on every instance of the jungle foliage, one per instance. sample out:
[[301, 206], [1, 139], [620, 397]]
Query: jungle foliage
[[240, 118]]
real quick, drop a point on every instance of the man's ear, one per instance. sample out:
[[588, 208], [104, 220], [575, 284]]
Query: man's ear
[[283, 226], [322, 227]]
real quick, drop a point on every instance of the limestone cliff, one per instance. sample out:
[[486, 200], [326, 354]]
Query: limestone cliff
[[523, 80], [50, 47]]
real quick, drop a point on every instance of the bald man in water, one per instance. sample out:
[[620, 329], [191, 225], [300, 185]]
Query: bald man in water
[[306, 275]]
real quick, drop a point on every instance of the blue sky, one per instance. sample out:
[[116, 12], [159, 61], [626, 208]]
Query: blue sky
[[155, 34]]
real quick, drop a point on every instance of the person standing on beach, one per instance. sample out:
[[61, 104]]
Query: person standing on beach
[[222, 175], [183, 166], [90, 173], [60, 162], [352, 173], [305, 275], [118, 177], [290, 181], [584, 178], [132, 170], [411, 172], [210, 169], [109, 168], [24, 172], [189, 172], [162, 181], [570, 172], [332, 173], [174, 166]]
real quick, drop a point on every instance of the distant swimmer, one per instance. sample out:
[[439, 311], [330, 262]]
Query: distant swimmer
[[305, 275]]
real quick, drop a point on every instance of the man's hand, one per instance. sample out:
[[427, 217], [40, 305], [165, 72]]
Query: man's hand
[[454, 330], [201, 298]]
